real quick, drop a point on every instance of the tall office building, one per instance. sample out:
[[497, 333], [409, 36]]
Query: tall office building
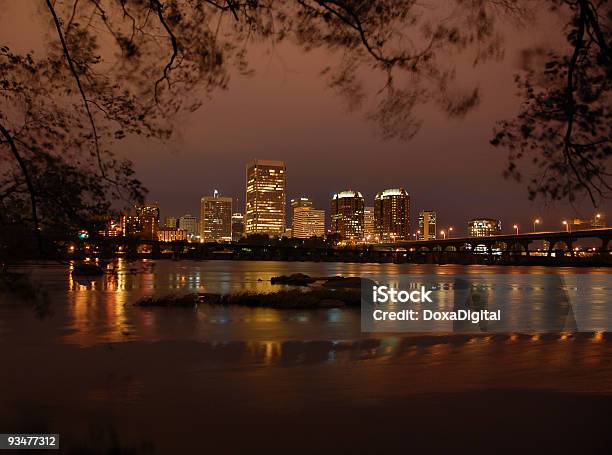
[[369, 232], [148, 216], [237, 226], [308, 222], [392, 214], [299, 202], [483, 227], [265, 197], [347, 215], [170, 222], [427, 225], [216, 218], [189, 224]]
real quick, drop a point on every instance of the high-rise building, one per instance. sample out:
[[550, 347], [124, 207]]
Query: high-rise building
[[308, 222], [347, 215], [189, 224], [237, 226], [216, 218], [149, 220], [369, 232], [483, 227], [265, 197], [131, 226], [392, 215], [427, 225], [299, 202], [170, 222]]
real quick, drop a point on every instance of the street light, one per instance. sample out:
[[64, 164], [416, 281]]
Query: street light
[[443, 233], [517, 228], [567, 226], [450, 229], [535, 222]]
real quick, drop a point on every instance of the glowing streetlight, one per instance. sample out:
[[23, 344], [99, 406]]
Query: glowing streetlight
[[536, 222], [443, 234], [567, 226], [450, 230], [517, 228]]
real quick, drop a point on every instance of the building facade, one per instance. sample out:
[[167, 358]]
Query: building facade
[[265, 197], [237, 226], [149, 220], [392, 215], [299, 202], [347, 209], [308, 222], [171, 234], [170, 222], [216, 218], [369, 231], [189, 224], [484, 227], [427, 225]]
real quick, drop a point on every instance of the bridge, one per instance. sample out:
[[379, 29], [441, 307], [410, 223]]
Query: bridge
[[496, 249], [557, 241]]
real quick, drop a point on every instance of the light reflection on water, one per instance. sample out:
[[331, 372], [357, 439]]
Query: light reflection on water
[[92, 311]]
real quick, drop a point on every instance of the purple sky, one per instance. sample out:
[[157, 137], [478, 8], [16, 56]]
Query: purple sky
[[286, 112]]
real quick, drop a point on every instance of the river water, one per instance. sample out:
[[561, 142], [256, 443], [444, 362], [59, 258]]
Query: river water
[[107, 375]]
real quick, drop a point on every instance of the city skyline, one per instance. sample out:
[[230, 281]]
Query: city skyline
[[415, 209]]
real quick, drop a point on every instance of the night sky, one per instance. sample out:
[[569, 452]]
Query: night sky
[[286, 112]]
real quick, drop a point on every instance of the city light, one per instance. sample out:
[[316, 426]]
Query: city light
[[450, 230], [516, 228], [443, 234], [536, 222], [567, 226]]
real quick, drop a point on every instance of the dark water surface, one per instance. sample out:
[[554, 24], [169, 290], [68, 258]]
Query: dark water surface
[[110, 376]]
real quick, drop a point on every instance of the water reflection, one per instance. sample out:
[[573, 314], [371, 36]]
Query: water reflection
[[99, 310]]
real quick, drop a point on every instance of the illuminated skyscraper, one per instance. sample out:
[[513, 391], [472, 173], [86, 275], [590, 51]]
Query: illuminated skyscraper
[[392, 214], [170, 222], [216, 218], [308, 222], [347, 215], [369, 233], [299, 202], [237, 226], [189, 224], [483, 227], [427, 225], [265, 197], [148, 216]]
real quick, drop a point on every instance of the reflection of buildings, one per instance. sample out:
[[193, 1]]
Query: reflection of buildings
[[237, 226], [483, 227], [265, 197], [216, 218], [171, 234], [392, 214], [189, 224], [369, 232], [427, 225], [308, 222], [347, 215]]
